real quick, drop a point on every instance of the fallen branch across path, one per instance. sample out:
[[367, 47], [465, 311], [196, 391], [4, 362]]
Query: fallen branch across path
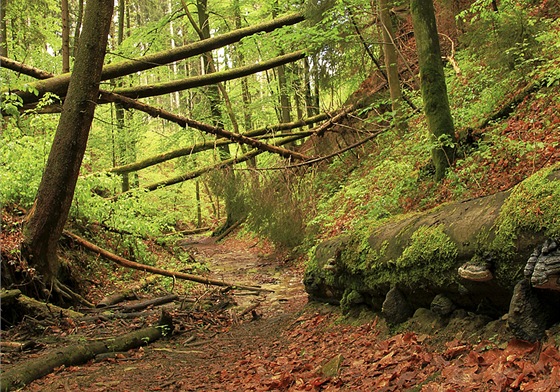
[[154, 270], [26, 372]]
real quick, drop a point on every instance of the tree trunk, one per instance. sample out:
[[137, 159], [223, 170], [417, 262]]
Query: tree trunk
[[78, 27], [3, 29], [65, 36], [391, 65], [432, 84], [45, 222], [59, 84]]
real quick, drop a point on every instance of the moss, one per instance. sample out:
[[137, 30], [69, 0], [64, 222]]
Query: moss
[[532, 207], [350, 299], [426, 259]]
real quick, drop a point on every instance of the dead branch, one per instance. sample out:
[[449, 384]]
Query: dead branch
[[234, 226], [154, 270], [150, 302], [24, 373], [128, 294]]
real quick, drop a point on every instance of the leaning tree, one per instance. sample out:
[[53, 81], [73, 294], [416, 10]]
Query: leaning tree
[[45, 221]]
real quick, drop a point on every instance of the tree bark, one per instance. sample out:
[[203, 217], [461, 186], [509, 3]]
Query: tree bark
[[20, 375], [65, 36], [391, 65], [59, 84], [3, 29], [432, 84], [45, 222], [206, 79]]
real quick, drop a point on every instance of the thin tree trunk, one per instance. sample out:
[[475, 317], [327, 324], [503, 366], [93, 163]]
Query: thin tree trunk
[[45, 222], [432, 84], [3, 29], [391, 65], [65, 36], [78, 28]]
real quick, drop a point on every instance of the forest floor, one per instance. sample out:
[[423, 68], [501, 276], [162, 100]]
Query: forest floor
[[287, 344]]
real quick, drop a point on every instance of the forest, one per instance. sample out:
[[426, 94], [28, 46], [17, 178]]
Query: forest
[[280, 196]]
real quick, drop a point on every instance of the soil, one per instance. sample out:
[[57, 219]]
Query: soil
[[288, 344]]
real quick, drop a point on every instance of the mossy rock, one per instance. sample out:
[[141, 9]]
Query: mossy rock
[[421, 252]]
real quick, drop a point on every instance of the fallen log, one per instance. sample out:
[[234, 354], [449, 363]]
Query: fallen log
[[45, 310], [26, 372], [17, 346], [474, 252], [150, 302], [128, 294], [154, 270], [9, 296]]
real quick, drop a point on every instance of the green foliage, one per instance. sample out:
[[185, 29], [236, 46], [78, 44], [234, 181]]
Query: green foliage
[[275, 212], [506, 39]]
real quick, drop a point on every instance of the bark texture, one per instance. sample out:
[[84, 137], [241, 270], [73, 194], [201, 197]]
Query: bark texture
[[46, 220], [432, 84]]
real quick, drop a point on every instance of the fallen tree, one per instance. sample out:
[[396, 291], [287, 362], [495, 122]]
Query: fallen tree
[[24, 373], [154, 270], [59, 84], [473, 252]]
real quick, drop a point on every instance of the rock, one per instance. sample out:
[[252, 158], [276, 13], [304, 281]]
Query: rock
[[475, 272], [441, 305], [396, 308], [332, 368], [527, 317]]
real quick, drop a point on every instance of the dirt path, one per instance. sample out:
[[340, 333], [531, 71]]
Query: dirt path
[[205, 363], [291, 346]]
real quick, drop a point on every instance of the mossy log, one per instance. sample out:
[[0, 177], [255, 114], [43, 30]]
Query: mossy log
[[24, 373], [421, 254]]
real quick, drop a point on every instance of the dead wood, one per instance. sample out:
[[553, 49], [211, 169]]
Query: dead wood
[[115, 299], [59, 84], [185, 121], [17, 346], [45, 310], [24, 373], [149, 302], [8, 297], [137, 92], [226, 232], [128, 294], [250, 309], [217, 166], [154, 270]]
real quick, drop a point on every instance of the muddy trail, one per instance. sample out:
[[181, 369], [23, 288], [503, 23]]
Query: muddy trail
[[278, 342]]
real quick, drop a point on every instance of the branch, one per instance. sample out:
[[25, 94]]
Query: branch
[[59, 84], [257, 133], [185, 121], [154, 270], [199, 172], [207, 79]]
